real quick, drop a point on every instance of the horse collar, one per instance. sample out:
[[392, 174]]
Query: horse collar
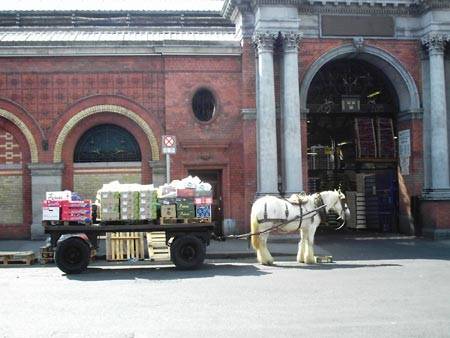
[[318, 202]]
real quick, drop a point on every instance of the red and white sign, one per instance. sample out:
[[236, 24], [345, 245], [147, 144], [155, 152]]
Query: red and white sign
[[169, 144]]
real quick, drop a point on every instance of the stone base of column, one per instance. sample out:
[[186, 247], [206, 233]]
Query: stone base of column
[[436, 195], [435, 218], [37, 232], [159, 172]]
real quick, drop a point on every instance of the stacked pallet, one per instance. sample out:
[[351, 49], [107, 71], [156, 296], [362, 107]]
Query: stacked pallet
[[122, 246], [157, 247]]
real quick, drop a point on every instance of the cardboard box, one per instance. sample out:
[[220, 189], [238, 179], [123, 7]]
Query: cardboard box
[[51, 204], [168, 211], [203, 200], [188, 192], [65, 195], [50, 213], [203, 211]]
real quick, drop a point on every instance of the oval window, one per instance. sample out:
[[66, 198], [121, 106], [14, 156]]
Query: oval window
[[203, 105]]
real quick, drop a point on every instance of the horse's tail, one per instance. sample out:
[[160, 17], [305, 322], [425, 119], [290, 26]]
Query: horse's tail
[[254, 229]]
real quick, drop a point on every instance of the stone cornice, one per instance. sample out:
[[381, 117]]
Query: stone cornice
[[379, 7]]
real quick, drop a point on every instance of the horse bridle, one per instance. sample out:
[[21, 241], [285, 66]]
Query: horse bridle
[[323, 214]]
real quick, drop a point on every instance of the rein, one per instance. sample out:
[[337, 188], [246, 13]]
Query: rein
[[284, 222]]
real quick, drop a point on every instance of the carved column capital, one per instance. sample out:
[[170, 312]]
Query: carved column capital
[[264, 42], [435, 43], [291, 40]]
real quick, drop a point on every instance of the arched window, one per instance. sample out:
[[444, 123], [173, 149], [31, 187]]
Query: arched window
[[107, 143]]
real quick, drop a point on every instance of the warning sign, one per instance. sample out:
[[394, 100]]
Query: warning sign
[[169, 144]]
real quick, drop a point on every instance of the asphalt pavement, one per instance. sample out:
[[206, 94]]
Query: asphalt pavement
[[341, 245]]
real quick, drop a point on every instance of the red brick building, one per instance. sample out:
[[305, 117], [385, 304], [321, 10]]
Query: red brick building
[[263, 96]]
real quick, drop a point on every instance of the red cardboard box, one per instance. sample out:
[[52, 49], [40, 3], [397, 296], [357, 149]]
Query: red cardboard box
[[203, 200], [188, 192], [51, 204]]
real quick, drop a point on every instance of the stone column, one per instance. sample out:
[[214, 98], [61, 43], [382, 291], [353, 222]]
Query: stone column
[[266, 127], [440, 175], [158, 172], [291, 133], [44, 177]]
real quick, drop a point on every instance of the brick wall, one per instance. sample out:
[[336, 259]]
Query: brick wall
[[15, 183], [88, 181], [11, 197], [10, 152]]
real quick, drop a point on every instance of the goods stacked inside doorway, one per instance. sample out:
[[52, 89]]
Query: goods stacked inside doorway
[[186, 200], [352, 140]]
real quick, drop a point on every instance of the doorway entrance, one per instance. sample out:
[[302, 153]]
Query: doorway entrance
[[213, 177], [352, 140]]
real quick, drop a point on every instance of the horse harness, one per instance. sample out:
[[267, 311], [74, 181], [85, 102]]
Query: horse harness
[[318, 210]]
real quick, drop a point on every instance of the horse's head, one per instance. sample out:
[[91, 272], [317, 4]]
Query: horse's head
[[335, 201]]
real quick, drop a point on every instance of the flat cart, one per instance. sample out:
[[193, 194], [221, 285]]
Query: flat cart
[[73, 243]]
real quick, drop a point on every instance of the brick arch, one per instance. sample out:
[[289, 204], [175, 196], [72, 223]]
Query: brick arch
[[31, 142], [399, 76], [98, 119], [21, 231], [105, 108]]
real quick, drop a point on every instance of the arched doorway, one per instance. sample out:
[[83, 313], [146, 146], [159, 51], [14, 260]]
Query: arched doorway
[[351, 128]]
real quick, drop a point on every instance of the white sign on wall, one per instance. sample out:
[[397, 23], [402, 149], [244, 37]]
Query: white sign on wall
[[404, 143], [404, 150]]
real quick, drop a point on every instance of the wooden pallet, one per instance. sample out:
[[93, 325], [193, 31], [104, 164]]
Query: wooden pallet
[[122, 246], [157, 247], [166, 220], [46, 254], [16, 257]]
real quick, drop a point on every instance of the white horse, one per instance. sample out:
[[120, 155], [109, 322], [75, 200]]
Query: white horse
[[268, 211]]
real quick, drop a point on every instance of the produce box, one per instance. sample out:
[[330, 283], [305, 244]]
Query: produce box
[[110, 206], [169, 211], [203, 200], [203, 211], [203, 193], [148, 204], [51, 204], [65, 195], [185, 208], [129, 205], [187, 192], [50, 213]]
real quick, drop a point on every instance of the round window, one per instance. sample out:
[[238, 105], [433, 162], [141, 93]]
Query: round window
[[203, 105]]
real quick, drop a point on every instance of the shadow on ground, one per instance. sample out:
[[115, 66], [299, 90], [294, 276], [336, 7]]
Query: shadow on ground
[[352, 245], [158, 273]]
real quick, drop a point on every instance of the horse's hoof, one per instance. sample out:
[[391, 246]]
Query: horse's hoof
[[269, 263]]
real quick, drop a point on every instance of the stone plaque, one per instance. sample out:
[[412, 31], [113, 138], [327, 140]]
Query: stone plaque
[[348, 25]]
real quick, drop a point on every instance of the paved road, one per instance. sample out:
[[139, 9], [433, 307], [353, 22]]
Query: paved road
[[351, 298]]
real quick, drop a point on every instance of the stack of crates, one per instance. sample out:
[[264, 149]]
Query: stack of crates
[[110, 206], [189, 204]]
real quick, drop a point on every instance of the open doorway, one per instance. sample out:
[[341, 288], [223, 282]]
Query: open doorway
[[213, 177], [352, 140]]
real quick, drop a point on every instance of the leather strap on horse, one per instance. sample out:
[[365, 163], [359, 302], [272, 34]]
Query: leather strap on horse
[[318, 202], [276, 226]]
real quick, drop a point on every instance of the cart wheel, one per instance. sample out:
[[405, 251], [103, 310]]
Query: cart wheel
[[187, 252], [72, 255]]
